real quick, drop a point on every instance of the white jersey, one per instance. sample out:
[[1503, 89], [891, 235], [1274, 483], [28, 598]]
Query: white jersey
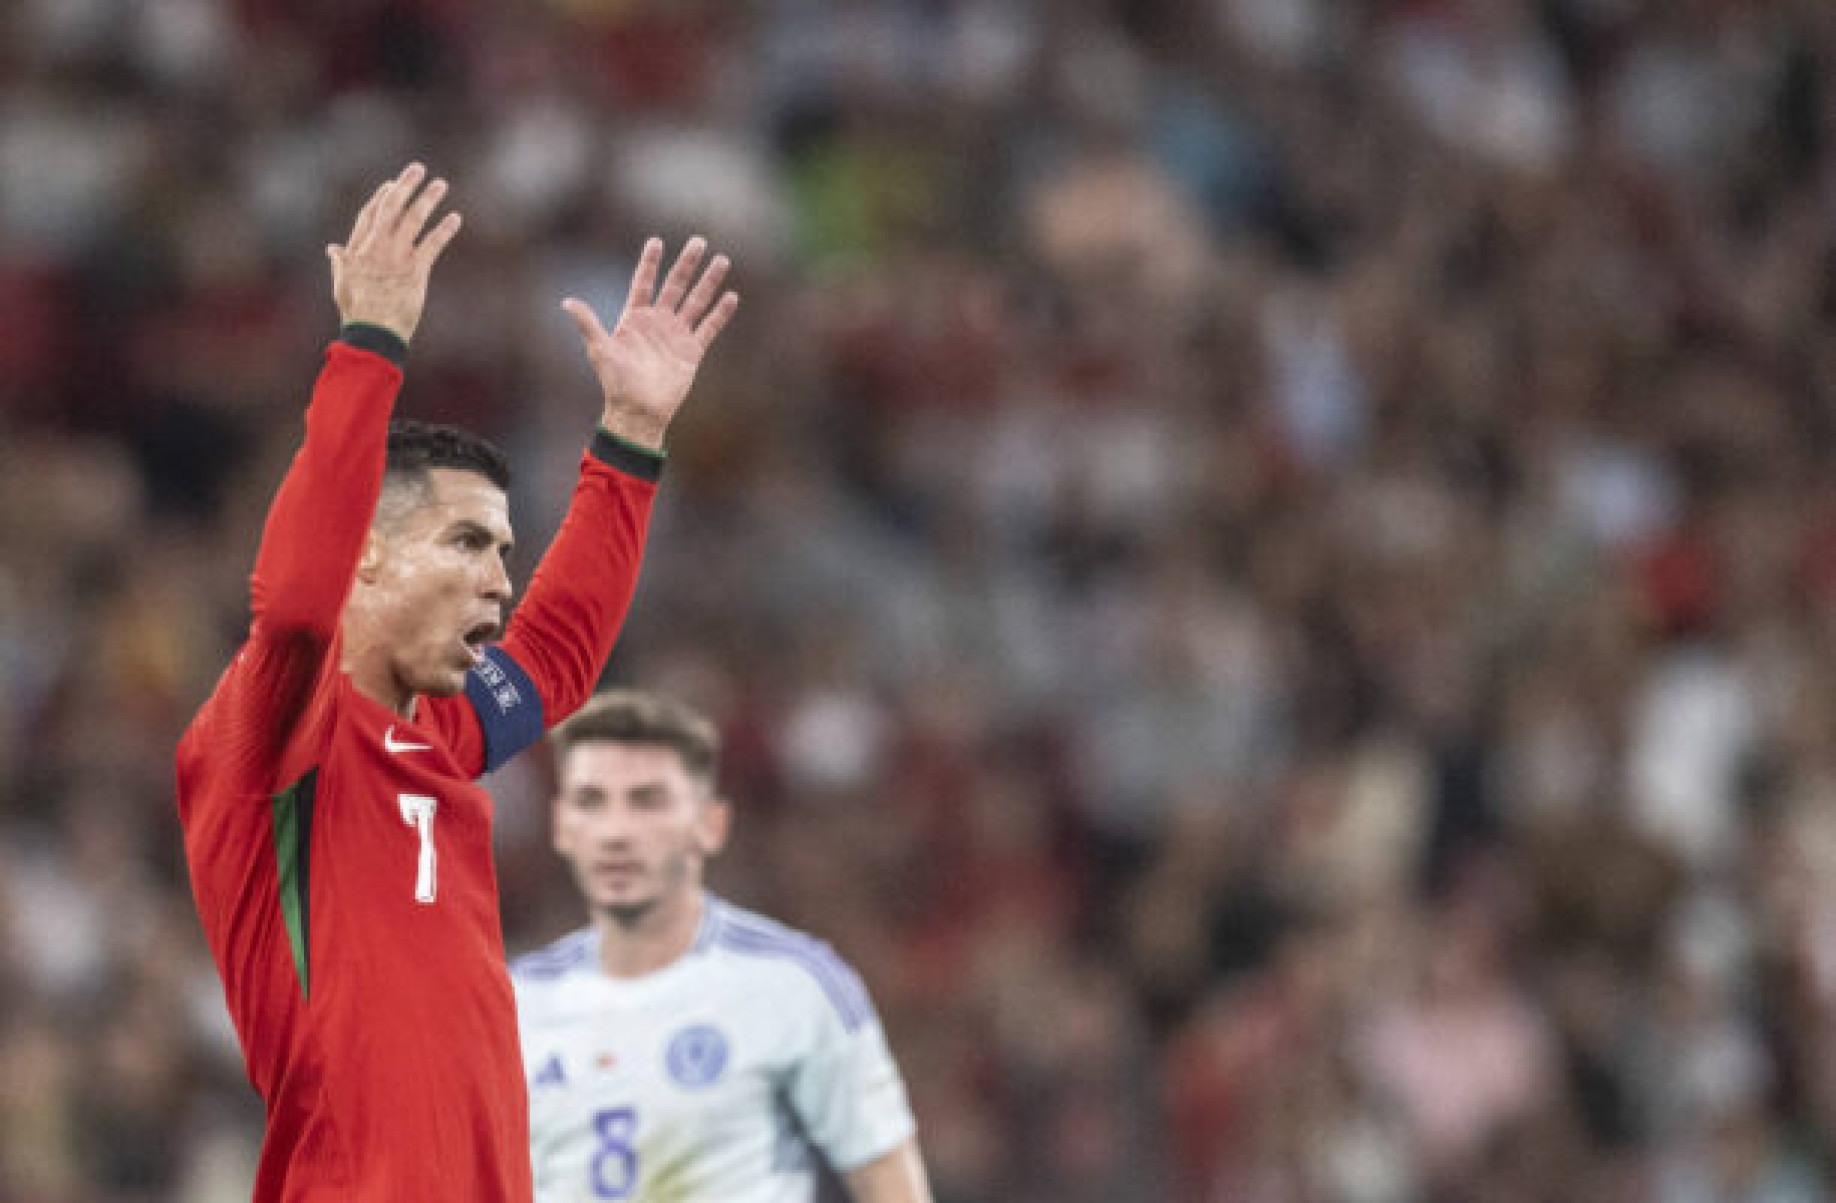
[[709, 1080]]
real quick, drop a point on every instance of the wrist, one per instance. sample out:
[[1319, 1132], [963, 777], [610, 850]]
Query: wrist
[[645, 463], [382, 340], [639, 431]]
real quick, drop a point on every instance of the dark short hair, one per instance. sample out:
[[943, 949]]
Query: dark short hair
[[415, 447], [631, 716]]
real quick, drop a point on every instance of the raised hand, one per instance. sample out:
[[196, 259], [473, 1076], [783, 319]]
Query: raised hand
[[647, 363], [379, 274]]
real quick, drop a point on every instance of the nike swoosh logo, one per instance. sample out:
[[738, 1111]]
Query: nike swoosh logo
[[394, 745]]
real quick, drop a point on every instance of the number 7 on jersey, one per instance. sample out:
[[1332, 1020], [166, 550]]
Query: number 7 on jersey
[[418, 813]]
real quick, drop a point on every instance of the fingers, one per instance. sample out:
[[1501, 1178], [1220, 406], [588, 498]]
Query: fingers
[[706, 289], [395, 197], [585, 320], [692, 306], [414, 219], [644, 276], [431, 246], [677, 284], [399, 209], [715, 322], [366, 216]]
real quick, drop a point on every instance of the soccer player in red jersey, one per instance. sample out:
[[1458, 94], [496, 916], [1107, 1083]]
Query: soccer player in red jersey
[[339, 847]]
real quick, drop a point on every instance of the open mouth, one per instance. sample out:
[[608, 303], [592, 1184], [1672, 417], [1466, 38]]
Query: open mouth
[[477, 636]]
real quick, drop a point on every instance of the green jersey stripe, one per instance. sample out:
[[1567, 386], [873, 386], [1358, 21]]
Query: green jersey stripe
[[293, 854]]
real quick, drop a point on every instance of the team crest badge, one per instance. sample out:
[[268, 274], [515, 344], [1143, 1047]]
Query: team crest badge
[[697, 1056]]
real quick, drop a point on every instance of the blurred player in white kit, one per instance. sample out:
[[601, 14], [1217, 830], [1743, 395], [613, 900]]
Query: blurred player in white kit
[[680, 1049]]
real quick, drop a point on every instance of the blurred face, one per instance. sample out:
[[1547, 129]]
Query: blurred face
[[636, 827], [433, 578]]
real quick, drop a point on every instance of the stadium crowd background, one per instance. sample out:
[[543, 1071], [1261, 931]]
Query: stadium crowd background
[[1269, 565]]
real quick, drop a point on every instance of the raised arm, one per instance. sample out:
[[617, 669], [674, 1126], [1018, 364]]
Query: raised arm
[[648, 362], [564, 629], [316, 526]]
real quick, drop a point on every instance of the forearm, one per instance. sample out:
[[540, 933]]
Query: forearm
[[896, 1177], [316, 525], [564, 629]]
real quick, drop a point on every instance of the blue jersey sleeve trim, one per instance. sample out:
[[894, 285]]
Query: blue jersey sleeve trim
[[508, 707], [559, 959], [839, 984]]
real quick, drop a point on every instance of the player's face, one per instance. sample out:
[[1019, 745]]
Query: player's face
[[439, 579], [636, 826]]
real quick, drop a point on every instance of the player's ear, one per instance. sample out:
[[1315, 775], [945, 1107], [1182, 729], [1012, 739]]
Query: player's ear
[[556, 838], [716, 821], [369, 564]]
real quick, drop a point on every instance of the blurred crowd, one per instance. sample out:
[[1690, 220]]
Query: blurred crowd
[[1268, 566]]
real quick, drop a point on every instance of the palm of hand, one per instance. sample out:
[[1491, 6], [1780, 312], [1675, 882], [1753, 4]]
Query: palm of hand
[[650, 360], [647, 364], [379, 273]]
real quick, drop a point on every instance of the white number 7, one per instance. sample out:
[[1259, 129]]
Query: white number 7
[[418, 813]]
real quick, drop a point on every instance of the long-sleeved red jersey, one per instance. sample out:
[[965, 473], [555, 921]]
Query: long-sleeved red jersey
[[341, 855]]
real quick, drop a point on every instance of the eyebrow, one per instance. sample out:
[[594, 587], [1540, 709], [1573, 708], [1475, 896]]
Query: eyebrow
[[641, 792], [469, 526]]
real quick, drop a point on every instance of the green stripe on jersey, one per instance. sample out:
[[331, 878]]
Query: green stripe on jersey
[[293, 855]]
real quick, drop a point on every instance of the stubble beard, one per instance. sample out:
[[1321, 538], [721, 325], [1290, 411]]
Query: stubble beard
[[629, 915]]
